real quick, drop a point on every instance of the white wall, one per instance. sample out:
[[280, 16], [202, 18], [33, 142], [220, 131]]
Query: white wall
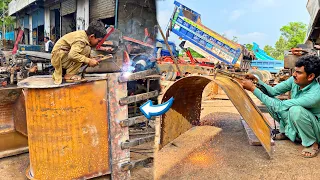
[[82, 14], [47, 22]]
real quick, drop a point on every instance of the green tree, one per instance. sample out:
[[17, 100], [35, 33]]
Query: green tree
[[269, 50], [280, 46], [5, 20], [294, 33], [249, 46]]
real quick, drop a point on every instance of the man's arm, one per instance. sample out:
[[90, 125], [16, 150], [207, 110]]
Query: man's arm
[[308, 100], [76, 49], [280, 88]]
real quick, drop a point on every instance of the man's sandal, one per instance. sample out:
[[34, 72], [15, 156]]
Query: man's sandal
[[280, 136], [311, 150], [74, 78]]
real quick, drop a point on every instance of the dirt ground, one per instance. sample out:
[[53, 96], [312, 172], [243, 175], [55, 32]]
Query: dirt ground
[[229, 155]]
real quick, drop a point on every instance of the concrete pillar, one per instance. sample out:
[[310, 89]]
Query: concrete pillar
[[47, 22], [82, 14], [30, 32]]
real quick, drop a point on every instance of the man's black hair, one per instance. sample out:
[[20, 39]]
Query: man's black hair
[[311, 64], [97, 28], [47, 38]]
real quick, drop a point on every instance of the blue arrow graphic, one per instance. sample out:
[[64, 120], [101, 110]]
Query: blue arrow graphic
[[148, 109]]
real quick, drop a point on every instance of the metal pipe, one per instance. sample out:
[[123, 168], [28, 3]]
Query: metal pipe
[[116, 14]]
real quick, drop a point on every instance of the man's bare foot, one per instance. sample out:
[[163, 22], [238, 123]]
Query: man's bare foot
[[311, 151]]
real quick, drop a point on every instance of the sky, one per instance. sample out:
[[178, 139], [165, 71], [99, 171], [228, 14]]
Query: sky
[[250, 20]]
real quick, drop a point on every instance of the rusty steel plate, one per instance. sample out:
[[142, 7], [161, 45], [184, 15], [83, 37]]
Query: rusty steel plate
[[185, 112], [68, 131], [13, 128], [8, 99]]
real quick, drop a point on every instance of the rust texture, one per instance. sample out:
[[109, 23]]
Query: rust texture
[[185, 111], [66, 126], [8, 98], [118, 134]]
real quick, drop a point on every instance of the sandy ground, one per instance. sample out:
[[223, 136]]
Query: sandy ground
[[229, 155]]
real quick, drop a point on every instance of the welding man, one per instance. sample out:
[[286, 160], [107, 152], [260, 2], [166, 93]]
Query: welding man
[[299, 116], [72, 51]]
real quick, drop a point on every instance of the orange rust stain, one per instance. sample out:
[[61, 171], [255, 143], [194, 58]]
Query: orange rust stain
[[68, 131]]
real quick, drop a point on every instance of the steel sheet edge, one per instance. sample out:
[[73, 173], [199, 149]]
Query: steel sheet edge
[[185, 114], [217, 47]]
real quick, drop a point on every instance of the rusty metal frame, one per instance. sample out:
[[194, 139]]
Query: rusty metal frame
[[118, 134]]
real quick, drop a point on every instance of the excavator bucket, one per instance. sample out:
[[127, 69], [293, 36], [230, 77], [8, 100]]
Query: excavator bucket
[[13, 125], [185, 111]]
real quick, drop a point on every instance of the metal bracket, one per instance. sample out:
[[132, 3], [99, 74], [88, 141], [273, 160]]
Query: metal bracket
[[136, 142], [141, 162], [137, 75], [131, 121], [138, 97]]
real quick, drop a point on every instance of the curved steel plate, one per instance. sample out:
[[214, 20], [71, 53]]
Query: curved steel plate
[[186, 109]]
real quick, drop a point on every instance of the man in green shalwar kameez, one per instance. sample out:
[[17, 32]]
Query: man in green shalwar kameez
[[299, 116]]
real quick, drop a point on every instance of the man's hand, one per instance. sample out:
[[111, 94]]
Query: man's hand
[[251, 77], [93, 63], [248, 85]]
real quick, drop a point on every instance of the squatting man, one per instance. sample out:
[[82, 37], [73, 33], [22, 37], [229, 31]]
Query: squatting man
[[299, 116]]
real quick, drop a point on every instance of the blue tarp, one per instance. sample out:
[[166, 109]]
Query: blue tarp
[[8, 35]]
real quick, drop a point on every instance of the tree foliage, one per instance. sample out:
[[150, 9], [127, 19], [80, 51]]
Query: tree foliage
[[249, 46], [292, 34], [8, 20]]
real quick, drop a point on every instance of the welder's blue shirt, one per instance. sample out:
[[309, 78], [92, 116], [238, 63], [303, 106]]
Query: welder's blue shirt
[[308, 97]]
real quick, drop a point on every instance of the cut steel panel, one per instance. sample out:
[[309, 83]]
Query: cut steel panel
[[8, 98], [188, 91], [185, 111], [19, 115], [66, 126], [248, 110]]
